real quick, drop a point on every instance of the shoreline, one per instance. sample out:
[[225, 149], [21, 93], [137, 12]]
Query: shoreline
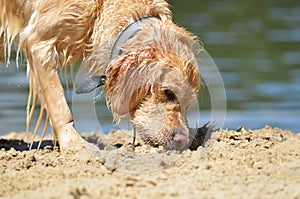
[[261, 163]]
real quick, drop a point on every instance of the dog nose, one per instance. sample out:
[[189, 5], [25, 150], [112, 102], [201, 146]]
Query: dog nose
[[180, 139]]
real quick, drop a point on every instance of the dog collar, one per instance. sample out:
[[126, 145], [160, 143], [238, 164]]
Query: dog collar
[[127, 34], [94, 82]]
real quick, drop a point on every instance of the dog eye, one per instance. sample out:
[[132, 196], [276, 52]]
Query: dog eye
[[170, 95]]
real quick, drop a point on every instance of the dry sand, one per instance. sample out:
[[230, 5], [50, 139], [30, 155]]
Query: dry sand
[[261, 163]]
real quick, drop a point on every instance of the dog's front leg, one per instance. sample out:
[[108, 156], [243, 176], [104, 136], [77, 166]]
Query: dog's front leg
[[58, 110], [57, 107]]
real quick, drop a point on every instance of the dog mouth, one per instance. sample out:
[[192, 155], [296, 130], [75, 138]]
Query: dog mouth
[[170, 141]]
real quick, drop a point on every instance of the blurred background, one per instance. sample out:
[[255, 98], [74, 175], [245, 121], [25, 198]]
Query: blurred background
[[255, 45]]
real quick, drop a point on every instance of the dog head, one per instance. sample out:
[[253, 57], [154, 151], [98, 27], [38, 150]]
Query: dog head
[[153, 81], [155, 88]]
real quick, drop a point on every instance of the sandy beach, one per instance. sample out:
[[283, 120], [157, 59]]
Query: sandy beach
[[262, 163]]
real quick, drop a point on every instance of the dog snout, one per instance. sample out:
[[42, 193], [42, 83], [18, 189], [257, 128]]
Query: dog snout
[[180, 139]]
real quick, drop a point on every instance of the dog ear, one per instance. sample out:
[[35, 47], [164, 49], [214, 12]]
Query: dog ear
[[130, 77]]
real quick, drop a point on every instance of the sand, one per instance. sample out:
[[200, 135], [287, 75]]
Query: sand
[[262, 163]]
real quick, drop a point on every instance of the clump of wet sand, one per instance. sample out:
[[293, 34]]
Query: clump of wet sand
[[262, 163]]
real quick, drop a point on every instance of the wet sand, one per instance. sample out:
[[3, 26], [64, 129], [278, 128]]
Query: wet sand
[[262, 163]]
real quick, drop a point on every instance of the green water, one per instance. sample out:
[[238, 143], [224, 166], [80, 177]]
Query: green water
[[255, 45]]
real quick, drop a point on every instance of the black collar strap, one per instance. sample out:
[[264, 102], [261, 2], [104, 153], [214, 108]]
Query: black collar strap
[[127, 34]]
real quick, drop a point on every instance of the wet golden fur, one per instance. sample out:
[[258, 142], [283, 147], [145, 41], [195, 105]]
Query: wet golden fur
[[57, 33]]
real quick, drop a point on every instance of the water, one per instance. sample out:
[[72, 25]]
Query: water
[[255, 45]]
